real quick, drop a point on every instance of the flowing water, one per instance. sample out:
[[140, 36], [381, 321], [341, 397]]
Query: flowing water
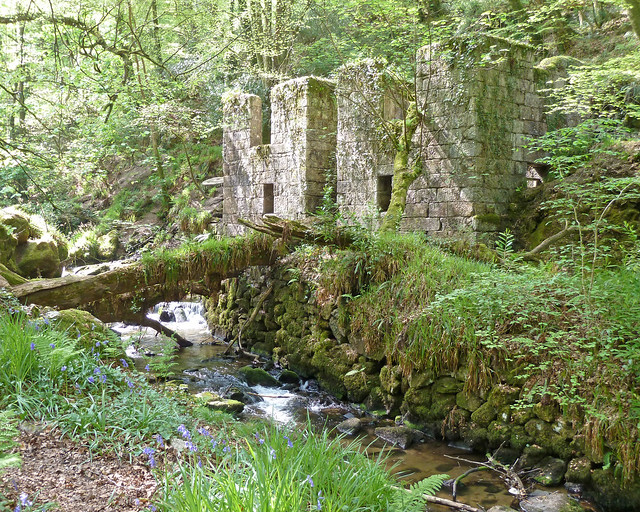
[[204, 367]]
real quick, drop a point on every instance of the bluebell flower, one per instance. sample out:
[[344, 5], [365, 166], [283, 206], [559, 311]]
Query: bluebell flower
[[96, 371], [103, 378], [214, 443], [258, 438], [226, 449], [272, 452], [24, 500], [136, 502], [32, 346], [91, 380], [46, 321], [17, 509], [152, 508], [184, 432], [289, 443], [147, 450], [152, 461], [320, 499], [63, 368], [124, 363], [52, 345], [159, 439], [204, 432], [147, 368], [97, 343], [130, 384], [199, 462], [192, 447], [310, 480]]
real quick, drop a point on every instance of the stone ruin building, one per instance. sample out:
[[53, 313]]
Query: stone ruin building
[[478, 103]]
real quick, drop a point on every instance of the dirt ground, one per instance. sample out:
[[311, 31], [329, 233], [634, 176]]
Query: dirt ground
[[67, 474]]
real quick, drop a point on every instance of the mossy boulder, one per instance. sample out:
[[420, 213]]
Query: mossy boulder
[[289, 377], [554, 502], [579, 470], [91, 333], [441, 405], [550, 471], [226, 405], [391, 379], [417, 401], [399, 436], [498, 433], [546, 411], [468, 401], [257, 377], [447, 385], [609, 492], [484, 415], [501, 395], [16, 224], [38, 258]]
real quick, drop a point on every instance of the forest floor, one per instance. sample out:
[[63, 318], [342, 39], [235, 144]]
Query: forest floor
[[60, 471]]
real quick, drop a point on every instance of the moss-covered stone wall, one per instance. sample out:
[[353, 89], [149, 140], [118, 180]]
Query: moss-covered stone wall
[[311, 334], [478, 99]]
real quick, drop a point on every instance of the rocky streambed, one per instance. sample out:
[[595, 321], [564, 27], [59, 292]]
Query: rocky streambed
[[262, 388]]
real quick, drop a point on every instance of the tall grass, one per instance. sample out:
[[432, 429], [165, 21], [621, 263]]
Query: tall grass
[[275, 470]]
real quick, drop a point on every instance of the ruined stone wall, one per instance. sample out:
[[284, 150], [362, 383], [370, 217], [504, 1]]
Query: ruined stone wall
[[479, 103], [286, 177], [364, 154]]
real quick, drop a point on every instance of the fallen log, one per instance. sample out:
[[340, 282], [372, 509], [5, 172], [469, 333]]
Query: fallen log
[[126, 293]]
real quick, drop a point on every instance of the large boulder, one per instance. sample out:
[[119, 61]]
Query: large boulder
[[38, 258], [29, 246]]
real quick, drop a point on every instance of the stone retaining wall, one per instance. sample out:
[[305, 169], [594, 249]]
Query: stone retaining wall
[[315, 340]]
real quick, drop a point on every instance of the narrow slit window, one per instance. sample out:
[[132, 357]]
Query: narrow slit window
[[267, 198], [384, 192]]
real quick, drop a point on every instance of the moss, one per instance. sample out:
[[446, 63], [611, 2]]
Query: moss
[[11, 277], [257, 377], [89, 331], [484, 415]]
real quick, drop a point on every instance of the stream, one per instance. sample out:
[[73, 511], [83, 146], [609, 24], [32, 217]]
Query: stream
[[204, 367]]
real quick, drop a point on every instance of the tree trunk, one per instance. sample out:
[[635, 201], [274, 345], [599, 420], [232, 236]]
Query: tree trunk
[[634, 15], [403, 176]]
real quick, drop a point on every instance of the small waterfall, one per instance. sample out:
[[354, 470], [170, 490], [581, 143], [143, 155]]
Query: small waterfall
[[178, 312]]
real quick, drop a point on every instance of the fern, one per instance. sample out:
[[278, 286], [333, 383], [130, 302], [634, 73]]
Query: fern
[[411, 499], [7, 434]]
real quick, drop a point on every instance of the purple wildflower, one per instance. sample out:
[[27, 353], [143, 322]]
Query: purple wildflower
[[184, 432], [258, 438], [160, 441], [63, 368], [17, 509], [24, 500], [310, 480], [147, 450], [130, 384], [289, 443], [124, 363], [46, 321], [91, 380], [320, 499], [192, 447], [226, 449], [152, 461], [96, 371], [152, 508], [52, 345], [214, 443], [136, 502], [204, 432], [147, 368], [272, 452], [103, 378], [199, 462], [97, 343], [32, 346]]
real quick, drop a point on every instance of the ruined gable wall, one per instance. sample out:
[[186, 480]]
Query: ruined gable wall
[[363, 150], [479, 103], [285, 177]]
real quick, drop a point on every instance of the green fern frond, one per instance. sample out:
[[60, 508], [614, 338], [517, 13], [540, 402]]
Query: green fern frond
[[411, 499]]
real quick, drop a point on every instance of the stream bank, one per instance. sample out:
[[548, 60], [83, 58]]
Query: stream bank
[[314, 337]]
